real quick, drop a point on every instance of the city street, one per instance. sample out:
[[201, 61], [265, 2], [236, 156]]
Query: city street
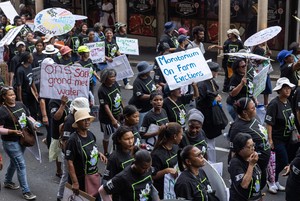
[[44, 183]]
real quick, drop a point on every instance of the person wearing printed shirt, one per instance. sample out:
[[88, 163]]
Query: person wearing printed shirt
[[83, 35], [131, 117], [168, 37], [58, 110], [30, 41], [244, 172], [194, 135], [280, 123], [121, 157], [82, 151], [38, 55], [86, 62], [246, 122], [143, 85], [73, 42], [156, 116], [192, 184], [79, 103], [164, 154], [175, 103], [15, 61], [134, 182], [293, 182], [111, 105]]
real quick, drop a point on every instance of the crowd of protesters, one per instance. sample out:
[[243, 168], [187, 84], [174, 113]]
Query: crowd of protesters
[[153, 133]]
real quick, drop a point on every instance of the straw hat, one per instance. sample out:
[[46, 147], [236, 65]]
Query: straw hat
[[81, 115], [50, 49]]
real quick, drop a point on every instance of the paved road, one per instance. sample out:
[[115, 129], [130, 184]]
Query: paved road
[[44, 183]]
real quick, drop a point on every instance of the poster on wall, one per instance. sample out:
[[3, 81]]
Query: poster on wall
[[142, 17]]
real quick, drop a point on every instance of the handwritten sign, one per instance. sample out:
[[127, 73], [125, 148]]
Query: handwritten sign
[[10, 36], [54, 21], [97, 51], [183, 68], [128, 46], [259, 81], [122, 66], [57, 80]]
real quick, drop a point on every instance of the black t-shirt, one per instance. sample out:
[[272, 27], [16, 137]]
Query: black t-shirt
[[232, 47], [53, 108], [162, 159], [74, 44], [130, 185], [176, 112], [192, 187], [117, 162], [37, 59], [88, 64], [296, 106], [235, 80], [110, 96], [25, 79], [30, 46], [83, 38], [281, 118], [158, 75], [153, 118], [7, 122], [14, 62], [286, 70], [198, 141], [141, 87], [165, 38], [68, 129], [237, 169], [292, 192], [111, 48], [67, 62], [259, 136], [83, 151]]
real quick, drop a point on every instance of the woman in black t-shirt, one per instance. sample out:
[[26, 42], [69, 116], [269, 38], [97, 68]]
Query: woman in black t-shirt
[[82, 152], [244, 172], [131, 117], [133, 183], [156, 117], [192, 184], [237, 85], [280, 123], [164, 155], [293, 182], [121, 157], [10, 131], [26, 89], [247, 123]]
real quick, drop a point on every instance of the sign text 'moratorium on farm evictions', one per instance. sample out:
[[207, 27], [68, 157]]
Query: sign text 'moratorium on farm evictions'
[[183, 68], [57, 80]]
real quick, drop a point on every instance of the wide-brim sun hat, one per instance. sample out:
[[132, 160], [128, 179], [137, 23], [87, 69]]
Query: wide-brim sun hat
[[50, 49], [80, 103], [81, 115], [283, 81], [235, 32], [182, 38], [65, 50], [47, 38], [144, 67]]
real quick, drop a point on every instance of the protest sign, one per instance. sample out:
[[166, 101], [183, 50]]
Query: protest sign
[[259, 81], [122, 66], [57, 80], [36, 75], [97, 51], [54, 21], [128, 46], [10, 36], [9, 11], [183, 68]]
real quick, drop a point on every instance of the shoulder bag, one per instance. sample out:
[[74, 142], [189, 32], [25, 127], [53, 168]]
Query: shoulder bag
[[28, 134]]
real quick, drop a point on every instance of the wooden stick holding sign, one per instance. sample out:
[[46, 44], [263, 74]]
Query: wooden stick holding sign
[[184, 68], [122, 66]]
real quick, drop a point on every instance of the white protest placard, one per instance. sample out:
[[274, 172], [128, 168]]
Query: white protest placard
[[10, 36], [122, 66], [57, 80], [97, 51], [9, 11], [70, 196], [259, 81], [128, 46], [183, 68]]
